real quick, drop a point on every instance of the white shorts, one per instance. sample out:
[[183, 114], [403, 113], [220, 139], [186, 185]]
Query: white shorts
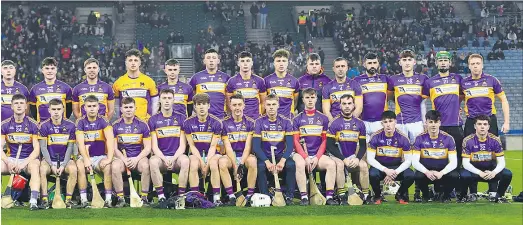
[[371, 128], [95, 160], [13, 161], [411, 129]]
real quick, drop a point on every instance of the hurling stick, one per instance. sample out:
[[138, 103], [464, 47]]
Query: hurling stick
[[354, 198], [97, 201], [278, 196], [240, 199], [136, 201], [58, 202], [7, 200], [316, 197]]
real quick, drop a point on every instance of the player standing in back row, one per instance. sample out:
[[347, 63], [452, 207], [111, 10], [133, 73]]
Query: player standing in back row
[[10, 87], [182, 92], [408, 97], [283, 84], [137, 85], [212, 82]]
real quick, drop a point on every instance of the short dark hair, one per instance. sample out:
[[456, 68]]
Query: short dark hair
[[201, 98], [245, 54], [18, 97], [309, 91], [238, 96], [133, 52], [433, 115], [314, 57], [128, 100], [91, 60], [210, 50], [407, 53], [172, 62], [371, 55], [272, 97], [167, 91], [56, 101], [8, 63], [340, 59], [49, 61], [482, 117], [281, 53], [91, 98], [388, 115], [348, 96]]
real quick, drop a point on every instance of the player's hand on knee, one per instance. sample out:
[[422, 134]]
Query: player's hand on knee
[[314, 163], [133, 163], [438, 175], [54, 170], [59, 171], [354, 162], [269, 166], [388, 180], [11, 167], [280, 165], [391, 173]]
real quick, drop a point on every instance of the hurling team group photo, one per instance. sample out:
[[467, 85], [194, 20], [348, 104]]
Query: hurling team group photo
[[218, 139]]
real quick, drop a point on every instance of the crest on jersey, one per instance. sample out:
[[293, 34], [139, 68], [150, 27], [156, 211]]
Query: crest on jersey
[[26, 129], [58, 88], [91, 89], [417, 81], [484, 84], [135, 129], [220, 78], [321, 84], [17, 91], [142, 84], [100, 89], [354, 126], [453, 80]]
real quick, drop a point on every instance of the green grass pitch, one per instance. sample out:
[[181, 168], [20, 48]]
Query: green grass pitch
[[389, 213]]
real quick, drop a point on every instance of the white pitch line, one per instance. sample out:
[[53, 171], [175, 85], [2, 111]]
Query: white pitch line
[[514, 159]]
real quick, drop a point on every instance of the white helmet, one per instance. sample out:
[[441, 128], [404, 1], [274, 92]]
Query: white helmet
[[260, 200]]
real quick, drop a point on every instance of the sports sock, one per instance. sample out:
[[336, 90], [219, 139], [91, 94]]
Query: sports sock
[[118, 194], [181, 190], [34, 196], [229, 192], [304, 195], [108, 193], [68, 196], [144, 194], [216, 196], [195, 189], [329, 193], [159, 191], [250, 192], [44, 197], [83, 195]]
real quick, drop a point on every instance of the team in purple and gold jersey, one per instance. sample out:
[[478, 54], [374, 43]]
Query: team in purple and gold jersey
[[218, 126]]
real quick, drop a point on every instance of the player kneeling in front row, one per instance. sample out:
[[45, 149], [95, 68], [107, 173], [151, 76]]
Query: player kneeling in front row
[[434, 158], [94, 135], [274, 132], [478, 162], [312, 125], [57, 137], [203, 131], [20, 133], [390, 158], [237, 139], [132, 135], [348, 131], [168, 145]]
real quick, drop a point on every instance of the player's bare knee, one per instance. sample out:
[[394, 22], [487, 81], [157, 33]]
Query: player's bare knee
[[363, 166], [223, 162], [184, 161], [251, 162], [144, 166]]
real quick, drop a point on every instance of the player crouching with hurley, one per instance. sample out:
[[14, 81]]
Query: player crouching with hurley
[[237, 139], [57, 137], [133, 141]]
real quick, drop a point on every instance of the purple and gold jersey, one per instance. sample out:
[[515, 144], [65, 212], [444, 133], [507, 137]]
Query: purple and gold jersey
[[43, 92], [444, 94], [168, 131], [333, 91], [480, 95], [347, 133], [287, 89], [202, 133], [236, 132], [213, 85], [390, 151], [272, 134], [182, 95], [314, 81], [142, 89], [130, 136], [482, 153], [311, 127], [7, 95], [374, 91], [434, 153], [250, 90], [57, 137], [16, 134], [101, 90], [407, 96], [94, 133]]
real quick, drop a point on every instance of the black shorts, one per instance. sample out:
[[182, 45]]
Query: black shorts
[[469, 126]]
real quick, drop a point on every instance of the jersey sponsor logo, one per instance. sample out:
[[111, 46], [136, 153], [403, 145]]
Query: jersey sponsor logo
[[284, 92], [19, 138], [409, 89], [446, 89], [348, 135], [180, 98], [58, 139], [247, 92], [46, 98], [134, 93], [434, 153], [129, 138], [311, 130], [374, 87], [335, 97], [211, 87], [204, 137], [273, 136], [6, 99], [477, 92], [93, 135], [237, 137], [389, 151], [481, 156], [171, 131]]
